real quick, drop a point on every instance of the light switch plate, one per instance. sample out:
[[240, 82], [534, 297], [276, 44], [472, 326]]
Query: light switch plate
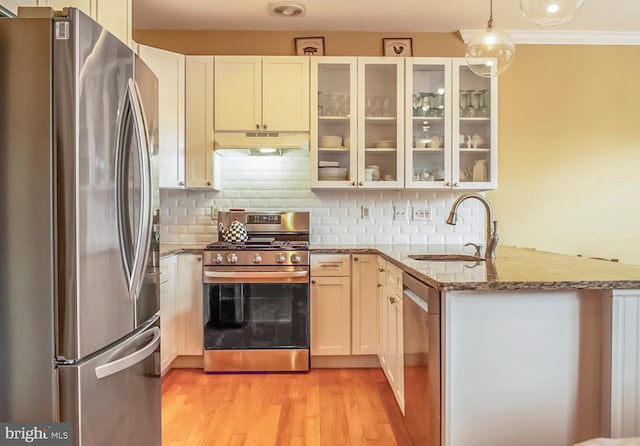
[[364, 212], [401, 213], [420, 214]]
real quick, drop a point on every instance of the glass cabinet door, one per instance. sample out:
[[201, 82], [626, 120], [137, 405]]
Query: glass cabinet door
[[380, 122], [333, 122], [428, 126], [475, 129]]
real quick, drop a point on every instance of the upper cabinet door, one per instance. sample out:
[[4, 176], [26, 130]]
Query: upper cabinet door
[[381, 122], [475, 129], [285, 93], [428, 124], [169, 68], [238, 93], [334, 114]]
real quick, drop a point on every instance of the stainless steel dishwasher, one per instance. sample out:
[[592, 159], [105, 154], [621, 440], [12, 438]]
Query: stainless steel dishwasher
[[421, 313]]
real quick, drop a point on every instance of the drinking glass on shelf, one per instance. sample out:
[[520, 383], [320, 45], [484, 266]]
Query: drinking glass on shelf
[[464, 99], [417, 104], [470, 110], [483, 107], [438, 105], [427, 101]]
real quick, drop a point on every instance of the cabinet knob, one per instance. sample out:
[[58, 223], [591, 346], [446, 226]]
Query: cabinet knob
[[198, 259], [181, 183], [313, 281], [264, 126], [360, 183], [455, 184], [355, 259], [353, 183], [208, 183], [257, 126], [381, 270], [392, 300], [379, 285], [447, 184]]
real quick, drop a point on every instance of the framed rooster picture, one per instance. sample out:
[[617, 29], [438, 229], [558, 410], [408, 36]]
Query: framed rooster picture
[[397, 47]]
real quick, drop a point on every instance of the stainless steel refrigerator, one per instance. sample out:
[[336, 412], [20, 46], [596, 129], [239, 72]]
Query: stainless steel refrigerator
[[79, 288]]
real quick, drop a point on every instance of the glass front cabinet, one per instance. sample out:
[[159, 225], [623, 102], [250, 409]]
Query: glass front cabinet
[[357, 125], [394, 123], [451, 128]]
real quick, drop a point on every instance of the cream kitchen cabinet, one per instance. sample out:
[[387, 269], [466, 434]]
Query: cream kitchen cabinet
[[330, 304], [202, 166], [190, 335], [169, 67], [451, 126], [357, 122], [390, 327], [364, 310], [186, 156], [168, 312], [262, 93], [114, 15]]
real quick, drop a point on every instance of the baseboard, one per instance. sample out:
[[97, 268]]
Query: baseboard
[[345, 362], [188, 362]]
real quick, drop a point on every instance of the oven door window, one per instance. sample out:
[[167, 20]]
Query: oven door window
[[256, 316]]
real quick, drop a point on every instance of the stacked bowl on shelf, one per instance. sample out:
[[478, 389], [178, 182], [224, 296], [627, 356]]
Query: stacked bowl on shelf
[[331, 171]]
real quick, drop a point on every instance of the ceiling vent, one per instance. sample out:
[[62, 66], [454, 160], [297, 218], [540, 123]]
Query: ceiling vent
[[287, 9]]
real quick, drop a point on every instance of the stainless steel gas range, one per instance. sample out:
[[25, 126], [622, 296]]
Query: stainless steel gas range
[[256, 295]]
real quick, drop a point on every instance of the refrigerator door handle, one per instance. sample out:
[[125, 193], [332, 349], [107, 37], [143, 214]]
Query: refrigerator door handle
[[114, 367], [124, 118], [145, 229]]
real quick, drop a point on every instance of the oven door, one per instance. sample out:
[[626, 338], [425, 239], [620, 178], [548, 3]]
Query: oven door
[[253, 311]]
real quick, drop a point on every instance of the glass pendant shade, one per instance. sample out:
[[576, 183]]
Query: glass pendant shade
[[490, 52], [550, 12]]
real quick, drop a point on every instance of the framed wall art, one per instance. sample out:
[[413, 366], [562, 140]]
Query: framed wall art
[[309, 46], [398, 46]]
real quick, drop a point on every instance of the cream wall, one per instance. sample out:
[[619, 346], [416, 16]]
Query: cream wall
[[569, 130]]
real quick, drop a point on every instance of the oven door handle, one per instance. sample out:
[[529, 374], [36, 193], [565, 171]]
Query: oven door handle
[[255, 274]]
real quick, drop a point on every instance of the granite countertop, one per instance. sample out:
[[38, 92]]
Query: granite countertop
[[514, 268]]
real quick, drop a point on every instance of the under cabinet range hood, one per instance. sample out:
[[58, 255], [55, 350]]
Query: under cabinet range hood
[[260, 140]]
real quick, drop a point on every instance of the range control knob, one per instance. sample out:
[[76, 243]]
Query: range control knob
[[218, 258], [257, 258], [281, 258], [232, 258], [295, 258]]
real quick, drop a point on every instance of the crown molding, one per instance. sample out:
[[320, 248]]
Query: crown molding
[[554, 37]]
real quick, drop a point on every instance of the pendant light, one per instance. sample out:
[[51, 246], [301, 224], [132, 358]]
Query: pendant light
[[490, 52], [550, 12]]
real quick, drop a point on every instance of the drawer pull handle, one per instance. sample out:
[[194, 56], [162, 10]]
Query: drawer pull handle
[[330, 265]]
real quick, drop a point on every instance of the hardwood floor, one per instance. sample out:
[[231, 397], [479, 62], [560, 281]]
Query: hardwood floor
[[332, 407]]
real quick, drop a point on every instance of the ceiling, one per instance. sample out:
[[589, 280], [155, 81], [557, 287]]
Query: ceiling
[[374, 15]]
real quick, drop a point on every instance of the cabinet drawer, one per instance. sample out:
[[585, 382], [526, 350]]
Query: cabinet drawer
[[330, 265], [394, 278]]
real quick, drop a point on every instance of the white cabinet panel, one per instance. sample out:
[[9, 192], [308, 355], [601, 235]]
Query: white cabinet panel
[[190, 325], [168, 311], [169, 67], [364, 316], [200, 162], [625, 370], [261, 93], [330, 316]]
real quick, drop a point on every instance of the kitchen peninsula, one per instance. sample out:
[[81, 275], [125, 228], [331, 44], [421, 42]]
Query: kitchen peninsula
[[542, 341]]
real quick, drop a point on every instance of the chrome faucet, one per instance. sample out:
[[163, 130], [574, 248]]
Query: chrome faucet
[[492, 225]]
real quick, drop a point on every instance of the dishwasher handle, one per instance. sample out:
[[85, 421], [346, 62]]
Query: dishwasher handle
[[416, 299]]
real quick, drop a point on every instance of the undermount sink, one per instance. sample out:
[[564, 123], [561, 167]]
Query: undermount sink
[[446, 258]]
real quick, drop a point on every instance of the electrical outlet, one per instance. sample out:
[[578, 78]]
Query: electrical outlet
[[214, 213], [364, 212], [420, 214], [401, 213]]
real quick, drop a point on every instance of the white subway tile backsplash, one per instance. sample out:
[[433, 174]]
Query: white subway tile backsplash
[[282, 183]]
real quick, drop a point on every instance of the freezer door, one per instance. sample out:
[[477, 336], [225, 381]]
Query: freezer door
[[102, 175], [115, 398]]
